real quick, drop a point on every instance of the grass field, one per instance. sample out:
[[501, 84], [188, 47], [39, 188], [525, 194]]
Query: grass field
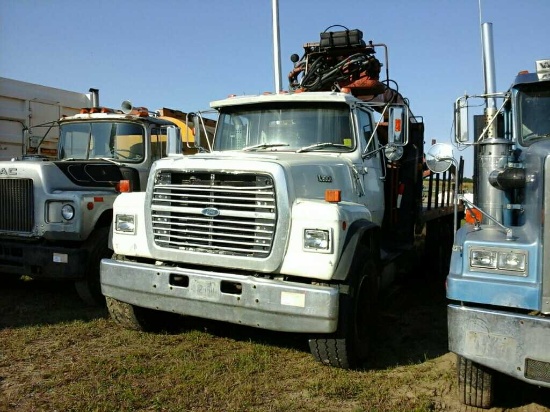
[[57, 355]]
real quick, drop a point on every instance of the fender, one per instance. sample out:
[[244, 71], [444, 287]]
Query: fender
[[358, 232], [110, 241]]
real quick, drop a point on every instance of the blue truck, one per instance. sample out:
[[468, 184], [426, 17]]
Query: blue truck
[[499, 278]]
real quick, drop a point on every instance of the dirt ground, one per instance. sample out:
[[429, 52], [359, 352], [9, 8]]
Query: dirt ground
[[415, 329]]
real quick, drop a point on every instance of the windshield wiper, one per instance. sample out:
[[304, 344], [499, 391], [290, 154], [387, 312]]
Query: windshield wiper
[[320, 146], [536, 137], [263, 146], [108, 159]]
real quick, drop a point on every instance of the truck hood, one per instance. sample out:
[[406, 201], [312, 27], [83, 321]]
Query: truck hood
[[306, 175], [59, 175]]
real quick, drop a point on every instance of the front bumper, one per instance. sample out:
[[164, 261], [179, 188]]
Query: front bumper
[[516, 345], [244, 300], [42, 260]]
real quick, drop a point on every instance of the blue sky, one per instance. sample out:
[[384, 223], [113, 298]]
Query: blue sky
[[182, 54]]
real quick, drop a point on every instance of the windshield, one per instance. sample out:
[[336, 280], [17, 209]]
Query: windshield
[[534, 114], [285, 127], [96, 140]]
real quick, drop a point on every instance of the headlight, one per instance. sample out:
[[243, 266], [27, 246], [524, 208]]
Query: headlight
[[125, 224], [483, 259], [67, 212], [315, 239], [506, 262], [512, 261]]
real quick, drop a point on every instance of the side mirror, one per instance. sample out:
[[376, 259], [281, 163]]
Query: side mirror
[[461, 120], [173, 141], [197, 127], [393, 153], [397, 128], [439, 157]]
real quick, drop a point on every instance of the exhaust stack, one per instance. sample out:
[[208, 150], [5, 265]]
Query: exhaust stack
[[488, 62], [95, 97], [492, 151]]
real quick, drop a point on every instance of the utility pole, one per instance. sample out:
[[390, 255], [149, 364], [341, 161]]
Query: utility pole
[[276, 47]]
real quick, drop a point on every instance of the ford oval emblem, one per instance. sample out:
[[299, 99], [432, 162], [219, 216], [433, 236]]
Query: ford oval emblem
[[210, 212]]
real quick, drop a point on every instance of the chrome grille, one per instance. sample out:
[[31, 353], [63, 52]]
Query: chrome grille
[[16, 205], [218, 213]]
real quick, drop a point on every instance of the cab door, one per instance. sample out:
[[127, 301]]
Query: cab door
[[371, 168]]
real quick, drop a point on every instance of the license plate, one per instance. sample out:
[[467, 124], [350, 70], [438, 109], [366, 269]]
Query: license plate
[[206, 289]]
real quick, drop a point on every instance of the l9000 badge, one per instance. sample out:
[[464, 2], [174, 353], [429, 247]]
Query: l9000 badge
[[324, 178]]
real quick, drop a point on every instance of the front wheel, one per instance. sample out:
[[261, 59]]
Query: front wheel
[[141, 319], [475, 383], [348, 347], [89, 287]]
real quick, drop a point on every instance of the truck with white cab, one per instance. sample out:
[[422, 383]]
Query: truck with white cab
[[294, 221]]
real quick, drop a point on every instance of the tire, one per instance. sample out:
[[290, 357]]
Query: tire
[[140, 319], [348, 347], [89, 288], [475, 383], [438, 247]]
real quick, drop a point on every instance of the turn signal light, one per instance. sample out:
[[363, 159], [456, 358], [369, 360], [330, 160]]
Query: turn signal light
[[472, 216], [123, 186], [333, 195]]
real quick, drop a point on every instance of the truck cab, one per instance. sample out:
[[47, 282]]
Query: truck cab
[[125, 140], [499, 278], [57, 213], [294, 221]]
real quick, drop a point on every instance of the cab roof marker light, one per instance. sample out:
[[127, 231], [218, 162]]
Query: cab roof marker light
[[101, 110], [140, 111]]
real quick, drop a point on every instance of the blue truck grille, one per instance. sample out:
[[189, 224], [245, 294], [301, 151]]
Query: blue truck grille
[[217, 213], [16, 205], [538, 370]]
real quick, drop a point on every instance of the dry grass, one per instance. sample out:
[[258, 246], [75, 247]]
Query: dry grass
[[56, 355]]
